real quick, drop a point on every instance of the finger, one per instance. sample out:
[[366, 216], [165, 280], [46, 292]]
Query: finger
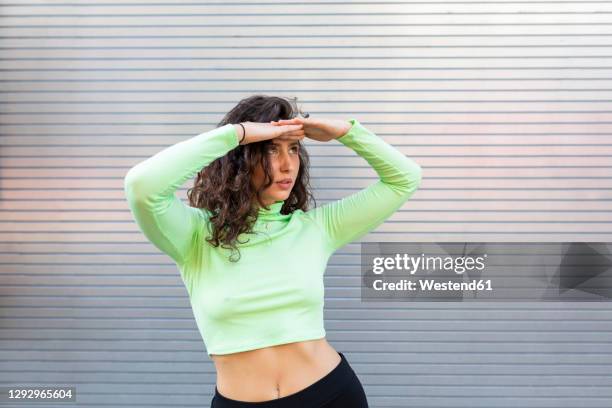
[[291, 128], [285, 124], [291, 135], [288, 121], [299, 131], [288, 135]]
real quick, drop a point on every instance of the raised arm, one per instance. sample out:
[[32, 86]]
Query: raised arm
[[351, 217], [150, 188]]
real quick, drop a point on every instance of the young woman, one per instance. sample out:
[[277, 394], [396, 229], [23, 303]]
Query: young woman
[[252, 254]]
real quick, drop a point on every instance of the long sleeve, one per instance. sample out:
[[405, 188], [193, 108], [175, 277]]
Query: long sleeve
[[351, 217], [150, 188]]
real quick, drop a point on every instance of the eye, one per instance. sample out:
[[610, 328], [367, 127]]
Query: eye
[[295, 148]]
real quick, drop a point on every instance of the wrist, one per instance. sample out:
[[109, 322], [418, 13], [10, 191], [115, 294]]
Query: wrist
[[240, 133], [346, 129]]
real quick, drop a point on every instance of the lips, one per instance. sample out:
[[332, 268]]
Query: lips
[[285, 184]]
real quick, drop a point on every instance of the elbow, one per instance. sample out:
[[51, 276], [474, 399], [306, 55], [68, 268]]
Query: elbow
[[128, 185], [411, 180], [143, 189], [133, 186]]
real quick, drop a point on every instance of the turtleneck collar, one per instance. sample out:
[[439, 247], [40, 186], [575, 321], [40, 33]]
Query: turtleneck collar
[[274, 208], [274, 211]]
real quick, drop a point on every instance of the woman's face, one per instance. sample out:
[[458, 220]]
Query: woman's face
[[283, 156]]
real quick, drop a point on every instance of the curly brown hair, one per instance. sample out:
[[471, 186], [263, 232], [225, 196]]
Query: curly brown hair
[[224, 186]]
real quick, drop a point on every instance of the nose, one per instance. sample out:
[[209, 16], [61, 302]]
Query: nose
[[285, 161]]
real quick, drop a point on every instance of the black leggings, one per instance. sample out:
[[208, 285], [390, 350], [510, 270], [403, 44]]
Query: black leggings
[[340, 388]]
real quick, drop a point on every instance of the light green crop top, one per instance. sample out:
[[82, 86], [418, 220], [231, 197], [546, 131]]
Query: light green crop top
[[274, 293]]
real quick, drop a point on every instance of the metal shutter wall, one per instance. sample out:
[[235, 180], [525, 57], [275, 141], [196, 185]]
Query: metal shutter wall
[[505, 105]]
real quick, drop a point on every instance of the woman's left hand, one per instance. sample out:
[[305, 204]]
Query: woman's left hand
[[322, 130]]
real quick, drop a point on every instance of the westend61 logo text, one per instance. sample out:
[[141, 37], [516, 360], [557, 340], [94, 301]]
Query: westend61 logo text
[[409, 263]]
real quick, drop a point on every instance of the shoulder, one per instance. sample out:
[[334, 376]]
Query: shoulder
[[306, 216]]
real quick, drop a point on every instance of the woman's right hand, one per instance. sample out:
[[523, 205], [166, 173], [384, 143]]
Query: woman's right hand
[[259, 131]]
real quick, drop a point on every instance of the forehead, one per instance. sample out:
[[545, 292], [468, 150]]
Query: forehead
[[280, 141]]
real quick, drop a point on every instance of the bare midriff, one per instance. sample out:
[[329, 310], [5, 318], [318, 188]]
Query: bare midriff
[[273, 372]]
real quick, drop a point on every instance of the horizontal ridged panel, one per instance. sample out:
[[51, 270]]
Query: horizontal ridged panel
[[505, 105]]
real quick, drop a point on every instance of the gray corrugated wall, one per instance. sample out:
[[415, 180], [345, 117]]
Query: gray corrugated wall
[[505, 105]]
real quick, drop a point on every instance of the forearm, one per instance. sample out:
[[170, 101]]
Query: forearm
[[401, 173], [165, 172]]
